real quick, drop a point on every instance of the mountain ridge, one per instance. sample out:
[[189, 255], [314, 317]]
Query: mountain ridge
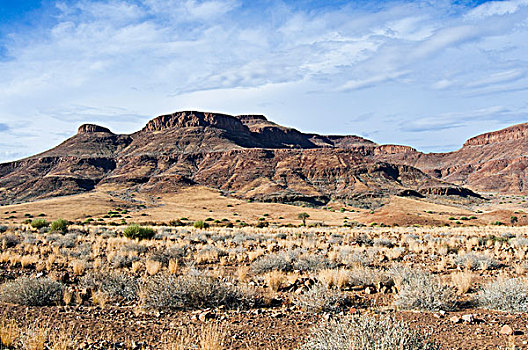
[[250, 157]]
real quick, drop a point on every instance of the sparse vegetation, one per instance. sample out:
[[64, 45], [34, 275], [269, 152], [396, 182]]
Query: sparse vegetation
[[60, 225], [367, 332], [138, 232], [504, 294], [39, 223], [275, 273], [32, 292]]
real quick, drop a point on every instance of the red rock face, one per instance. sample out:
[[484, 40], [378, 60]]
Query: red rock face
[[393, 149], [250, 157], [196, 119], [90, 128], [491, 162], [514, 133]]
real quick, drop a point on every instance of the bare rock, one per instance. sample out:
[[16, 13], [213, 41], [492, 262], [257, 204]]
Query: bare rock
[[506, 330]]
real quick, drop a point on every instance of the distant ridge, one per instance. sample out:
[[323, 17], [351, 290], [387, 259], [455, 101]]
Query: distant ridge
[[248, 156]]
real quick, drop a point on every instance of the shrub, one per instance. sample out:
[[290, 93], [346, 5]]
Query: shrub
[[115, 285], [280, 262], [311, 262], [66, 241], [200, 224], [419, 290], [9, 241], [320, 298], [60, 225], [383, 242], [504, 294], [194, 290], [32, 292], [39, 223], [476, 262], [3, 228], [138, 232], [367, 332]]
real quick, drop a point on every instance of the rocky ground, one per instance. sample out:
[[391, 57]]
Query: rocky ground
[[276, 328]]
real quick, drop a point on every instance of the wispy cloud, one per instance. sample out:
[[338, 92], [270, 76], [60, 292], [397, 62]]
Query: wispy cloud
[[119, 63]]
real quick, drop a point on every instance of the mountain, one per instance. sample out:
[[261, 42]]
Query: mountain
[[252, 158], [492, 162]]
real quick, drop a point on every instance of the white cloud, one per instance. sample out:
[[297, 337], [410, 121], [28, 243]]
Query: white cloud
[[497, 8], [120, 62], [500, 77]]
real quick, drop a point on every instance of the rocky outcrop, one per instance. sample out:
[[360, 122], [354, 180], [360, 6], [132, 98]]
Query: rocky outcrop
[[189, 119], [250, 157], [491, 162], [513, 133], [393, 149], [91, 128]]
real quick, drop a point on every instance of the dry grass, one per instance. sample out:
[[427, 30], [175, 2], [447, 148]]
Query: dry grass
[[334, 278], [209, 336], [274, 280], [153, 267], [78, 267], [9, 333], [462, 281], [35, 338]]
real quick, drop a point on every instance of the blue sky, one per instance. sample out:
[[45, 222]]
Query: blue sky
[[424, 73]]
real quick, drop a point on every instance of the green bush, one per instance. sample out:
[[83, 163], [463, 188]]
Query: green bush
[[60, 225], [139, 232], [200, 224], [39, 223]]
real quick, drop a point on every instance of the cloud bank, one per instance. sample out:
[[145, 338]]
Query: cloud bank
[[425, 73]]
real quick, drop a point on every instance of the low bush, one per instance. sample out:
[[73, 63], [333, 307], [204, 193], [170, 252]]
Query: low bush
[[60, 225], [32, 292], [476, 262], [138, 232], [115, 285], [39, 223], [311, 262], [9, 241], [509, 295], [368, 333], [194, 290], [419, 290], [200, 224], [320, 298], [279, 262]]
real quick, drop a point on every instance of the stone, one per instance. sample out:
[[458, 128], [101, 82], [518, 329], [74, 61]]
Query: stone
[[469, 318], [506, 330], [454, 319]]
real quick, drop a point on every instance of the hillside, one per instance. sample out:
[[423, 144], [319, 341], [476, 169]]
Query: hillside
[[249, 157]]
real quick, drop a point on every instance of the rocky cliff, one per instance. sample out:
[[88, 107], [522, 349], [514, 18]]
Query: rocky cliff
[[491, 162], [250, 157]]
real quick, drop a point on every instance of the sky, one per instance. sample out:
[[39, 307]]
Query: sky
[[429, 74]]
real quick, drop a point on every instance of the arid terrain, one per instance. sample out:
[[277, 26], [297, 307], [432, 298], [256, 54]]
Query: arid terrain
[[208, 231], [260, 288]]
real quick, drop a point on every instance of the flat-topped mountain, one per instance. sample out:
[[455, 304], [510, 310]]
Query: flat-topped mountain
[[250, 157], [491, 162]]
